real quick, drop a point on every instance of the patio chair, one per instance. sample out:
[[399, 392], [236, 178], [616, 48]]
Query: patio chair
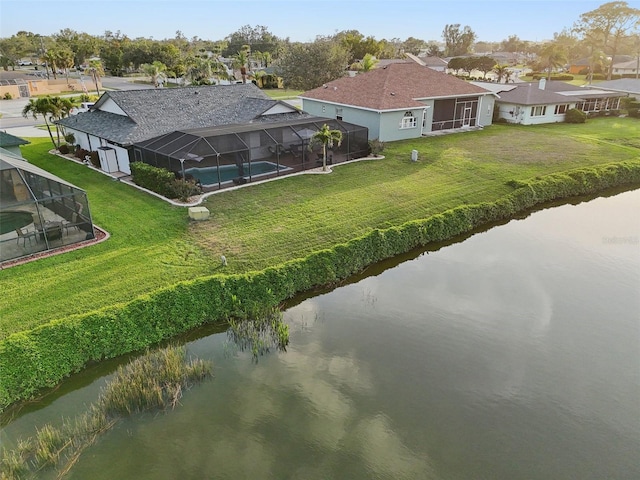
[[72, 224], [24, 236]]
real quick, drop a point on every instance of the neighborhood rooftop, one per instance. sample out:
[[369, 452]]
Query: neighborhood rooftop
[[153, 112], [395, 86]]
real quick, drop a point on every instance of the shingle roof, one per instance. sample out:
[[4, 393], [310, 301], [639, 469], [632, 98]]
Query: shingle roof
[[531, 94], [156, 111], [396, 86], [628, 85], [8, 140], [553, 93]]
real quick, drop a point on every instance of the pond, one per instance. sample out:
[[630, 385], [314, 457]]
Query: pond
[[514, 354]]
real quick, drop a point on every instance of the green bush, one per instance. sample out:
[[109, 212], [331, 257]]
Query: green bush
[[563, 77], [376, 147], [42, 357], [574, 115], [70, 138], [152, 178], [632, 107], [183, 189], [7, 96]]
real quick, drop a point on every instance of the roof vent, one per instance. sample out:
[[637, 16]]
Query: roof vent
[[393, 93], [195, 93], [335, 88]]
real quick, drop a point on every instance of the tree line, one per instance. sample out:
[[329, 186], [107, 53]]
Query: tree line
[[599, 35]]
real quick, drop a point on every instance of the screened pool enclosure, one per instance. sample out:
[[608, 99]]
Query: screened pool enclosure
[[38, 211], [220, 157]]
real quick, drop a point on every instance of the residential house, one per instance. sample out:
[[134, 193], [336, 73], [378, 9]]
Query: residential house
[[215, 133], [435, 63], [548, 101], [11, 143], [632, 67], [401, 101], [119, 119], [582, 65], [531, 104]]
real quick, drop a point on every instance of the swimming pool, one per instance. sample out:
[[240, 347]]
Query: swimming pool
[[10, 220], [209, 175]]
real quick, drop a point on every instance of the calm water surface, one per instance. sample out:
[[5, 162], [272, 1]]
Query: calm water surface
[[512, 355]]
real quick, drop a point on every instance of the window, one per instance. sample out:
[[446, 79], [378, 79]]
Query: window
[[561, 109], [338, 113], [324, 109], [538, 111], [408, 121]]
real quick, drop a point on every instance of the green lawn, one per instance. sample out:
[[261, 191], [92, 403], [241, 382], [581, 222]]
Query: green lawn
[[153, 244]]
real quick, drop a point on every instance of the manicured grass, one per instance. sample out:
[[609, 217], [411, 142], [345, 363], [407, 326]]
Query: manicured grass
[[153, 245], [282, 94]]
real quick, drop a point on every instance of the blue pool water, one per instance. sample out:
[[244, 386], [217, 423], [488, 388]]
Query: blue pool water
[[209, 175]]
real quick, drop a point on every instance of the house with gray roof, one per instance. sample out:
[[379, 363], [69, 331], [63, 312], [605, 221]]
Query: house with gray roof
[[402, 101], [630, 86], [11, 143], [548, 102], [120, 119]]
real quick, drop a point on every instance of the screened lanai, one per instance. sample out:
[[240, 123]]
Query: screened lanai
[[38, 211], [220, 157]]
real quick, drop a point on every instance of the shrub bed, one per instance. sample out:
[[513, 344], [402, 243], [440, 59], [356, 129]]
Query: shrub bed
[[39, 358]]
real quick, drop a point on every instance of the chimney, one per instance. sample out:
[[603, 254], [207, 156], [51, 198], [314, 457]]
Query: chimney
[[542, 84]]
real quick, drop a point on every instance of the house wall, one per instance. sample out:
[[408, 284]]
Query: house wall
[[42, 87], [390, 123], [521, 114], [364, 118], [92, 143]]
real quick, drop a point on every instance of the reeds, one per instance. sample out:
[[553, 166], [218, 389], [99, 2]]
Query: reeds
[[153, 381], [265, 330]]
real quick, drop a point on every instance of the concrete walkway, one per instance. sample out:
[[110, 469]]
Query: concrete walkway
[[25, 132]]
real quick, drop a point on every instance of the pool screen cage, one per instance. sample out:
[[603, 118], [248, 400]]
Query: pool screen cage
[[38, 211], [220, 157]]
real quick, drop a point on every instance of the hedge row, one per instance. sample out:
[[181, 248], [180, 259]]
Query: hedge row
[[32, 360]]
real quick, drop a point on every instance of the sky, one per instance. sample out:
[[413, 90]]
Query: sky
[[298, 20]]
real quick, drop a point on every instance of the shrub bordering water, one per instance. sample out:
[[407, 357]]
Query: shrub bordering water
[[39, 358]]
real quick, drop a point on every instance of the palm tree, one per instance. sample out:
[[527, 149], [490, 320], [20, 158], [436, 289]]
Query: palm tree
[[502, 71], [156, 70], [41, 106], [325, 136], [60, 107], [96, 71], [199, 71], [552, 56], [240, 61]]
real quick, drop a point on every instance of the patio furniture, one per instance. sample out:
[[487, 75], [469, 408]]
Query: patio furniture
[[74, 223], [24, 236], [52, 231]]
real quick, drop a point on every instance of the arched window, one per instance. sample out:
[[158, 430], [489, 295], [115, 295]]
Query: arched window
[[408, 121]]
